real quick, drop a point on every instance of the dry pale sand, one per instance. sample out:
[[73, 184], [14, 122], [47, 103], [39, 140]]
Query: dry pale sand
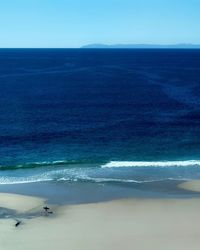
[[191, 185], [124, 224]]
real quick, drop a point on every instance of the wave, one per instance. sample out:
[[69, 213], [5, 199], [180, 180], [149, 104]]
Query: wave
[[12, 181], [22, 181], [44, 164], [94, 172], [105, 180], [120, 164], [111, 164]]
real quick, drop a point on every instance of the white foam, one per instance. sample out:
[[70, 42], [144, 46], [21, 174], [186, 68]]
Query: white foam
[[21, 181], [115, 164]]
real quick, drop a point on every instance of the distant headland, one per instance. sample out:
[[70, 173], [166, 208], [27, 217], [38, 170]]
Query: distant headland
[[142, 46]]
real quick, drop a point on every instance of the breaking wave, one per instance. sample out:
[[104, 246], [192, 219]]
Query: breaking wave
[[120, 164], [91, 171]]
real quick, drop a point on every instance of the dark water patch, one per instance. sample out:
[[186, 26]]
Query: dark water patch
[[6, 213]]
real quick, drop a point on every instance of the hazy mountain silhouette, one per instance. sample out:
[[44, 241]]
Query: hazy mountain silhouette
[[142, 46]]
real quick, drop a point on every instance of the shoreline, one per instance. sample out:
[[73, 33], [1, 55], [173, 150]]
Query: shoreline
[[134, 223], [69, 193]]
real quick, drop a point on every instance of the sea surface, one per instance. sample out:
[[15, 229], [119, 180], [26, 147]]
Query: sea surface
[[109, 116]]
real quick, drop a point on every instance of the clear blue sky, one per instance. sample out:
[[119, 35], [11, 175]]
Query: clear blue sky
[[72, 23]]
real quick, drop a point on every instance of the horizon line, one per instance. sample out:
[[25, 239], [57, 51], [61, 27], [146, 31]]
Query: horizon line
[[120, 46]]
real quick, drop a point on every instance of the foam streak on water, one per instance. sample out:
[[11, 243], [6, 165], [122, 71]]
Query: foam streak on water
[[115, 164]]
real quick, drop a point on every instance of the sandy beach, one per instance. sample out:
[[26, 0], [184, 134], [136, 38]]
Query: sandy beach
[[123, 224], [193, 185]]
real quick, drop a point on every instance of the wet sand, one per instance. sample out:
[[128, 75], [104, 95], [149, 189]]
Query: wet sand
[[123, 224]]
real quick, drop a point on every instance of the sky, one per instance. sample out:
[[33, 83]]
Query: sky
[[73, 23]]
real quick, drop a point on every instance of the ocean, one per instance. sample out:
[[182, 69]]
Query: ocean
[[105, 116]]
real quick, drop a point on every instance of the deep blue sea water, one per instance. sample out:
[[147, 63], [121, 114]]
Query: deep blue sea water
[[99, 115]]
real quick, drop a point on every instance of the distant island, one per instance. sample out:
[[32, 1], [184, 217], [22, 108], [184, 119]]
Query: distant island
[[141, 46]]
